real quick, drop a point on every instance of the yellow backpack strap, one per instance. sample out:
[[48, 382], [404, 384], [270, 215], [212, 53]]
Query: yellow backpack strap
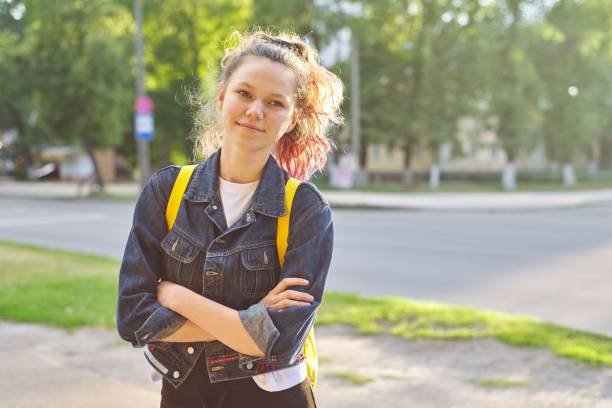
[[282, 235], [282, 232], [180, 185]]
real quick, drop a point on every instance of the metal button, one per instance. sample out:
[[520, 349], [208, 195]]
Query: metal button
[[248, 218], [214, 207], [190, 350], [249, 366], [176, 374]]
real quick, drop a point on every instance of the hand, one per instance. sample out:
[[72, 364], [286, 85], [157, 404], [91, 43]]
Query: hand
[[169, 294], [280, 297]]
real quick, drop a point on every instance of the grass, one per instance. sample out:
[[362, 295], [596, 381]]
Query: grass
[[351, 377], [411, 320], [57, 288], [71, 290], [493, 383]]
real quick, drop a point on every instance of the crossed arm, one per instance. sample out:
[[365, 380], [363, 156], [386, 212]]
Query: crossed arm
[[208, 320]]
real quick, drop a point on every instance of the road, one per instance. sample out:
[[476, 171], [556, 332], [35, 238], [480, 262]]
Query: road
[[551, 264]]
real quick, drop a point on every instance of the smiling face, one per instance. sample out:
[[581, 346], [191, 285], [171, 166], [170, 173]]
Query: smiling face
[[257, 105]]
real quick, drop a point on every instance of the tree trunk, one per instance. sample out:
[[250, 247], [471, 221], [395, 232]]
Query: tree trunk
[[509, 177], [98, 181], [407, 177], [23, 155], [593, 167], [434, 171], [605, 153], [434, 176], [569, 176]]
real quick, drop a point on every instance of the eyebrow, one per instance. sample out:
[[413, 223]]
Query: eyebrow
[[251, 86]]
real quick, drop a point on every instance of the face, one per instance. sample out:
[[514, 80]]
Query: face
[[257, 105]]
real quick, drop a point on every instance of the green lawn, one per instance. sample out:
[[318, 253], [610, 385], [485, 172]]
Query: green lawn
[[71, 290]]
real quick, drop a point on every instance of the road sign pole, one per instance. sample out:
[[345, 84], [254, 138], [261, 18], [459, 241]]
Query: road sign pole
[[144, 161]]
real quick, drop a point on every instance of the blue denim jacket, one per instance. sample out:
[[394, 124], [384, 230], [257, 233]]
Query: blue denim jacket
[[234, 266]]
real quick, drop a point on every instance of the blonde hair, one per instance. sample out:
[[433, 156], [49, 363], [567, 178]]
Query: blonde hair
[[302, 151]]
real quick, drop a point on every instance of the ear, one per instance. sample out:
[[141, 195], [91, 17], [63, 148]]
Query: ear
[[220, 94]]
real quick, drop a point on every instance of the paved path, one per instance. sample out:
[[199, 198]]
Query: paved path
[[51, 368], [493, 201]]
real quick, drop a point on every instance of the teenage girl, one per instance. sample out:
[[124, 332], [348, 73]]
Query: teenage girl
[[218, 317]]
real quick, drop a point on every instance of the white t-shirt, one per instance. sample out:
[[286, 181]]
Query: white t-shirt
[[236, 199]]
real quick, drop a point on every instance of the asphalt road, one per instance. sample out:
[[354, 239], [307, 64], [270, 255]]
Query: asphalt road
[[555, 265]]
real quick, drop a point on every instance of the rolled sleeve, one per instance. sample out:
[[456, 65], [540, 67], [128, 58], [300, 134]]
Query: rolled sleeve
[[160, 324], [260, 326]]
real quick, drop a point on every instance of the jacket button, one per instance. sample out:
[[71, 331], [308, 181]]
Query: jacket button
[[249, 366], [214, 207], [190, 350], [176, 374]]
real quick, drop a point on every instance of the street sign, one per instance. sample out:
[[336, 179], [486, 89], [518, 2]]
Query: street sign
[[144, 125], [143, 121], [144, 104]]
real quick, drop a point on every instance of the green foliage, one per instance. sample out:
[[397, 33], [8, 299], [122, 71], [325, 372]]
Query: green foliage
[[185, 40], [410, 320], [573, 56], [82, 75], [536, 73]]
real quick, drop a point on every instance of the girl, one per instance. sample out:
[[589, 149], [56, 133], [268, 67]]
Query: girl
[[219, 318]]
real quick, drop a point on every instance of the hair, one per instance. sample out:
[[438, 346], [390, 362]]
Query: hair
[[301, 151]]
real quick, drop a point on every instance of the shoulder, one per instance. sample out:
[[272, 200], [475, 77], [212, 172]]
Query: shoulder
[[308, 201], [309, 193], [159, 185]]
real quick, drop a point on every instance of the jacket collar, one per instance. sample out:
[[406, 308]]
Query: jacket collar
[[269, 197]]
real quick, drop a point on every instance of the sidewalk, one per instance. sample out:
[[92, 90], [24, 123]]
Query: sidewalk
[[493, 201], [44, 366]]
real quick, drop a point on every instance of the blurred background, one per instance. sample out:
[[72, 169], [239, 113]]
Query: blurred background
[[457, 95], [487, 122]]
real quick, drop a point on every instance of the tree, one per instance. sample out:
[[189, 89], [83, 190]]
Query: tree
[[81, 53], [573, 58], [17, 101], [184, 41]]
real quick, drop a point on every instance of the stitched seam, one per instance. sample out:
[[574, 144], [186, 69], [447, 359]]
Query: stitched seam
[[233, 251]]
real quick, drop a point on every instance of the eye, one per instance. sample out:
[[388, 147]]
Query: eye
[[277, 103], [244, 93]]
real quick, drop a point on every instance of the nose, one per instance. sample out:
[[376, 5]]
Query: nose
[[255, 110]]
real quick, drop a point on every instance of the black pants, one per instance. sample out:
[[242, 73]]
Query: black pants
[[198, 392]]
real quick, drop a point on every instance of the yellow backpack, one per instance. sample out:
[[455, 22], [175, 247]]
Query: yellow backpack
[[282, 234]]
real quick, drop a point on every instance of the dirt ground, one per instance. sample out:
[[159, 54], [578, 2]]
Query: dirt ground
[[91, 368]]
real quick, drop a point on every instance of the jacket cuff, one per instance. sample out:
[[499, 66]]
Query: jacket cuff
[[260, 327], [162, 323]]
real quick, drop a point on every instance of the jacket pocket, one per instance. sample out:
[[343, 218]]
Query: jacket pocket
[[181, 256], [258, 272]]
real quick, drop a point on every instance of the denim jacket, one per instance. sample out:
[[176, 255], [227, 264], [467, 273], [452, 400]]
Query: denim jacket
[[234, 266]]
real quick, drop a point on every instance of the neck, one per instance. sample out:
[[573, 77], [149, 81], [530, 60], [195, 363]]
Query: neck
[[238, 167]]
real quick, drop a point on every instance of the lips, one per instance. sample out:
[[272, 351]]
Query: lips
[[245, 125]]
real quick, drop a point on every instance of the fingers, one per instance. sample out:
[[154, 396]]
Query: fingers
[[287, 282], [285, 303], [295, 295]]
